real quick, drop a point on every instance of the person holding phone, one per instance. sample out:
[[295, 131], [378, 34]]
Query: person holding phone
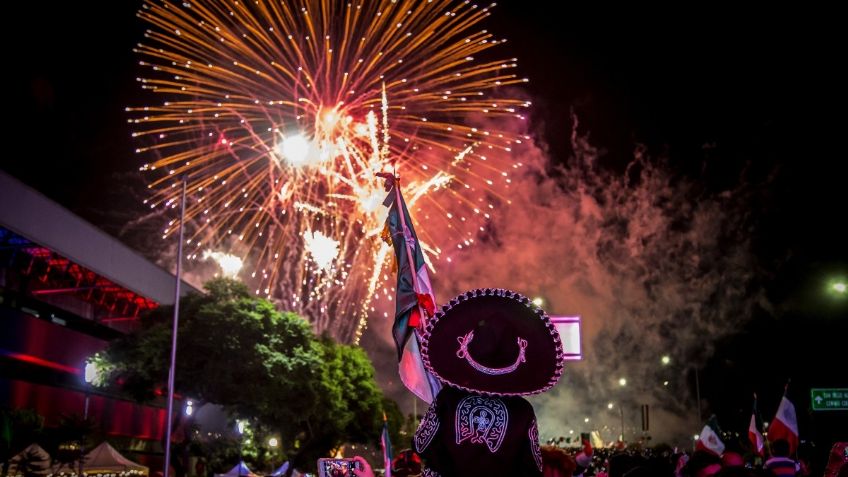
[[489, 347], [363, 469]]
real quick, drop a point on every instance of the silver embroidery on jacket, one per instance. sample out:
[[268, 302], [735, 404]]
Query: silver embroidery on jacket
[[483, 420], [533, 434], [426, 429], [429, 473]]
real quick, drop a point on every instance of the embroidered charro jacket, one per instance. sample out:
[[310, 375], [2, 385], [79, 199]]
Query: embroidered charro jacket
[[469, 435]]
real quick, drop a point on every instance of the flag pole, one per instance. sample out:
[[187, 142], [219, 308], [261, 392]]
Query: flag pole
[[697, 396], [409, 255], [785, 393], [172, 369], [761, 428]]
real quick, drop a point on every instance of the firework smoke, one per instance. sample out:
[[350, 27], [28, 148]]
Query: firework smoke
[[654, 264]]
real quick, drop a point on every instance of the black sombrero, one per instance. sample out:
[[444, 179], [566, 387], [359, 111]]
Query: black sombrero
[[493, 341]]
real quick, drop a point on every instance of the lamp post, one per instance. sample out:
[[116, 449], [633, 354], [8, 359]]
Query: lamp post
[[621, 413], [172, 370], [272, 443], [240, 427], [89, 375], [698, 394]]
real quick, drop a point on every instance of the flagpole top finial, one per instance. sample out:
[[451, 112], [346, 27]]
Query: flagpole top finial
[[390, 179]]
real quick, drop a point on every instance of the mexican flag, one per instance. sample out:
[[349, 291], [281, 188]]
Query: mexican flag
[[709, 440]]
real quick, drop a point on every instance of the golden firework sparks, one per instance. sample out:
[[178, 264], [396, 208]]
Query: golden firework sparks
[[279, 113]]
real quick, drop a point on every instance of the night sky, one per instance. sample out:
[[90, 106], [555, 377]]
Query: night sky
[[724, 93]]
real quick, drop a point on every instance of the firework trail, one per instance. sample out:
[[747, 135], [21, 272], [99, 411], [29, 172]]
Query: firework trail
[[279, 114]]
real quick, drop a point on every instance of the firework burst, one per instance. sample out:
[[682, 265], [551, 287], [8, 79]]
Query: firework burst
[[278, 113]]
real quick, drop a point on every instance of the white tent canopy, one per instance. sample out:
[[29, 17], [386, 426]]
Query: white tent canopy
[[105, 459], [34, 457], [281, 469], [240, 470]]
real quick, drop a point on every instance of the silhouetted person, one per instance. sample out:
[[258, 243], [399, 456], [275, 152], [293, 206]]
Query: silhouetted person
[[702, 464], [556, 462], [780, 464]]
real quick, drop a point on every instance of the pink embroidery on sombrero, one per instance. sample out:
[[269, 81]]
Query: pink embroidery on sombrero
[[462, 353]]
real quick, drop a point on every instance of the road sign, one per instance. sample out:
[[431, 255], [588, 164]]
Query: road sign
[[829, 399]]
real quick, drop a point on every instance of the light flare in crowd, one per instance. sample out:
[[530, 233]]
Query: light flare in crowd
[[277, 114]]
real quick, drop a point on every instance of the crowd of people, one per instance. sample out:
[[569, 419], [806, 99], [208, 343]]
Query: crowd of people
[[651, 462]]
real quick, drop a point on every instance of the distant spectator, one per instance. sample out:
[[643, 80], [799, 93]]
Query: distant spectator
[[556, 462], [737, 472], [364, 468], [837, 463], [702, 464], [732, 459], [406, 464], [780, 464]]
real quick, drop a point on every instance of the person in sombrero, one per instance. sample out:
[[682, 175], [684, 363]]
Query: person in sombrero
[[489, 347]]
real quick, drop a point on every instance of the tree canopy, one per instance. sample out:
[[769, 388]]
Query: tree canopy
[[260, 364]]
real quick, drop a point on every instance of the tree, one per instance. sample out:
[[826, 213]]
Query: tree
[[69, 442], [348, 408], [18, 429], [261, 365], [397, 432]]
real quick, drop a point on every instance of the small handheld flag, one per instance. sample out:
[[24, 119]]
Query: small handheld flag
[[386, 444]]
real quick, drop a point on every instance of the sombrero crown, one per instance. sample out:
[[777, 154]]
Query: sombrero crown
[[493, 341]]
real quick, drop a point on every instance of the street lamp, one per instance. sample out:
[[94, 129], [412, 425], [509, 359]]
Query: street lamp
[[622, 382], [621, 415], [666, 360], [272, 443], [89, 375], [240, 425]]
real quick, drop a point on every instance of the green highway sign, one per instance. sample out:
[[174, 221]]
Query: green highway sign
[[829, 399]]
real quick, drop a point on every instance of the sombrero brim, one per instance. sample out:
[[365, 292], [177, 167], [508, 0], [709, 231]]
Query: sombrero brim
[[513, 350]]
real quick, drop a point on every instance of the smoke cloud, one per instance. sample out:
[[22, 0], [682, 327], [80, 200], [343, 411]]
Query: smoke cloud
[[654, 263]]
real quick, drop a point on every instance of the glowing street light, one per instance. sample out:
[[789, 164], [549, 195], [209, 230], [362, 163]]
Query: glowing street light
[[665, 360], [665, 383], [586, 420], [837, 287], [622, 382], [91, 375], [272, 442], [610, 406], [538, 301]]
